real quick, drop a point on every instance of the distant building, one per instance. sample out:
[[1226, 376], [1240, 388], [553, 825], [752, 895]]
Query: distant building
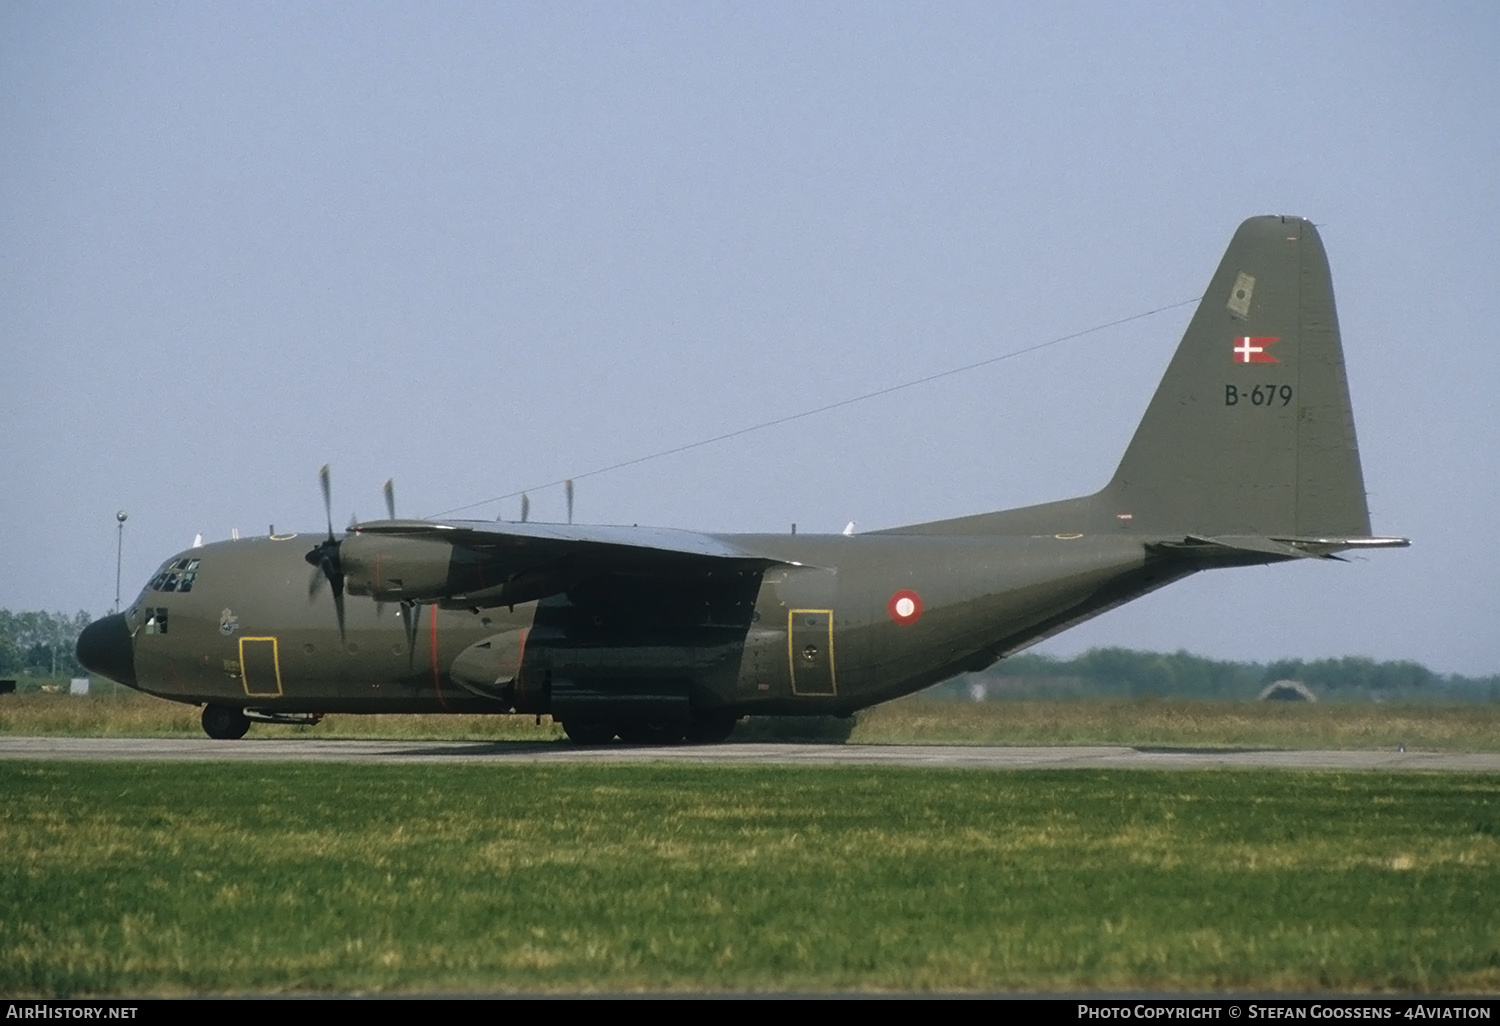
[[1286, 691], [78, 686]]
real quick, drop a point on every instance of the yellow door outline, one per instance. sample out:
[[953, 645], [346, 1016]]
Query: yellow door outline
[[791, 650], [245, 672]]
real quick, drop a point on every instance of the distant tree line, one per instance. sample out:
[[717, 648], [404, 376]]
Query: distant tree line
[[1121, 672], [37, 644]]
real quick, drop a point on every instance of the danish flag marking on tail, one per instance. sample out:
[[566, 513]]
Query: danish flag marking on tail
[[1252, 349]]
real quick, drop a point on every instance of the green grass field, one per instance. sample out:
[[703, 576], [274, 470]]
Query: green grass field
[[298, 878], [1185, 723], [1207, 724]]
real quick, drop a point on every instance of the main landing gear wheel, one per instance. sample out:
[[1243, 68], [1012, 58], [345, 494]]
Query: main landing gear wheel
[[711, 728], [224, 723], [589, 732]]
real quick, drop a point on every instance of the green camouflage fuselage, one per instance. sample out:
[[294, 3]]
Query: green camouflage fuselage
[[789, 639]]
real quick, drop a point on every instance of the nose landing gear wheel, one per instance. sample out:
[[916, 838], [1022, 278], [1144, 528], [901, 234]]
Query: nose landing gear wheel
[[224, 723]]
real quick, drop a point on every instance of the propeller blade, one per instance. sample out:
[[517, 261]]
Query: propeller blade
[[568, 487], [410, 614], [338, 607], [323, 478], [390, 498], [525, 507], [325, 556]]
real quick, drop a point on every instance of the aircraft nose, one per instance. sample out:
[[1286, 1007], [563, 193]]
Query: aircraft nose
[[105, 648]]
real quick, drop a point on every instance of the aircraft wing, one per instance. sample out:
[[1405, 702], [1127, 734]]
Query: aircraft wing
[[482, 563], [522, 537]]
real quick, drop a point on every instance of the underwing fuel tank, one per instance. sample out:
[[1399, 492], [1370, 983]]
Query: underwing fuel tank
[[490, 668]]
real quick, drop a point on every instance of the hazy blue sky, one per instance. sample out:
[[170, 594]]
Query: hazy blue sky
[[483, 247]]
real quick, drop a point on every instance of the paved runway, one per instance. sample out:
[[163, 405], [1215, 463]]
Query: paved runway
[[954, 756]]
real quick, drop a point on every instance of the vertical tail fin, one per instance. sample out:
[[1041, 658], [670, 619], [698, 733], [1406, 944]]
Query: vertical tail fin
[[1251, 431]]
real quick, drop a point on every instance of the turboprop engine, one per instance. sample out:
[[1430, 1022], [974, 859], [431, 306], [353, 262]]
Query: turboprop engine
[[393, 569]]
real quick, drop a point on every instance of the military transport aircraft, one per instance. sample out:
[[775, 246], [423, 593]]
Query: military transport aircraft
[[1246, 456]]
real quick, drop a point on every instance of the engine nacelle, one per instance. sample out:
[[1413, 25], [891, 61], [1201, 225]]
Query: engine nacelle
[[392, 569]]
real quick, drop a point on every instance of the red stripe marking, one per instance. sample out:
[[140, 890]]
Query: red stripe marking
[[522, 657], [437, 679]]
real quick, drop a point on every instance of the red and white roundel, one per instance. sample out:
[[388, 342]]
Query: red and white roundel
[[905, 606]]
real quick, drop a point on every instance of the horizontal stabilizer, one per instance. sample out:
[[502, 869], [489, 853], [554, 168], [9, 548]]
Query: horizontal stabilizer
[[1248, 544], [1328, 546], [1238, 547]]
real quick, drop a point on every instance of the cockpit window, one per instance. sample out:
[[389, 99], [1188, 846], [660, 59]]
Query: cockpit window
[[177, 575]]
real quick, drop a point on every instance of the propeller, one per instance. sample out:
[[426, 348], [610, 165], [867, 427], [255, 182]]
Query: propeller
[[411, 617], [409, 612], [568, 487], [325, 556], [525, 507], [390, 509]]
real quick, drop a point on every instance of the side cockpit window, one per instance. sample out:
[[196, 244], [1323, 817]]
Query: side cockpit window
[[177, 575]]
